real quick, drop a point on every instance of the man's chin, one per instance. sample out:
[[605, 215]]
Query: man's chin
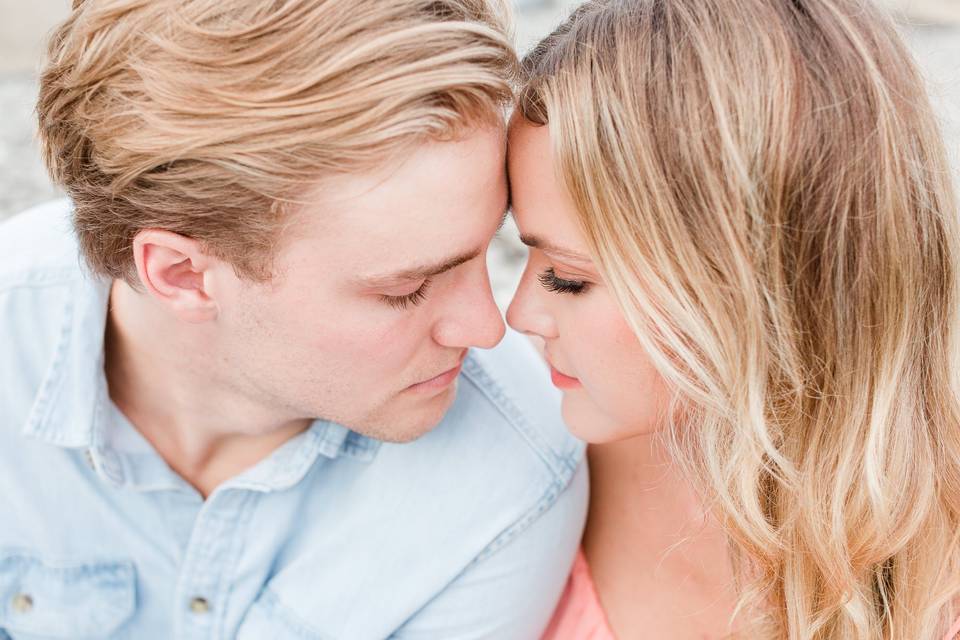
[[406, 421]]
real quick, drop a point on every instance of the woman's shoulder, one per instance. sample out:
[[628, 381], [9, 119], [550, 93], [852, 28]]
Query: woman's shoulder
[[579, 615], [954, 631]]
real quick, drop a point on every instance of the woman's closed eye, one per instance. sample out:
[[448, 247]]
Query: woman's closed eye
[[551, 282], [414, 298]]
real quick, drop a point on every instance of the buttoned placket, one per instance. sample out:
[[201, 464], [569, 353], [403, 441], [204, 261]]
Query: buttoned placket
[[206, 571], [213, 532]]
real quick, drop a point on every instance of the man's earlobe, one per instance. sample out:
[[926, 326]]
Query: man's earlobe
[[173, 270]]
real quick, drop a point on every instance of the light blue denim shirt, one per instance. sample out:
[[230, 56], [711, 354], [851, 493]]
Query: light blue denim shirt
[[468, 532]]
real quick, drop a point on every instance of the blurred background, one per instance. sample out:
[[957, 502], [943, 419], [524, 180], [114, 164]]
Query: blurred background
[[931, 27]]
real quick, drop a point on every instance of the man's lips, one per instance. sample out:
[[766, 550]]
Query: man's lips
[[442, 380]]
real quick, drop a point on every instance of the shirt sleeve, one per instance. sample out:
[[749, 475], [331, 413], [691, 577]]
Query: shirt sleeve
[[510, 593]]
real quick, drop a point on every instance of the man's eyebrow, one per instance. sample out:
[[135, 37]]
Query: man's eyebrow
[[421, 272], [538, 243]]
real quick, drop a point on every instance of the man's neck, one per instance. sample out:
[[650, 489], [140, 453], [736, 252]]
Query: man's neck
[[160, 377]]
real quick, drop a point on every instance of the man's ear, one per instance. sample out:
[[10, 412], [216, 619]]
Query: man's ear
[[175, 271]]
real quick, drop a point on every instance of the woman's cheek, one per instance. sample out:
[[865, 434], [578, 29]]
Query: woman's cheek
[[618, 376]]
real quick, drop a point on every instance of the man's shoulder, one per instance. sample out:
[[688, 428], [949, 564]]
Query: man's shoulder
[[499, 472], [38, 246], [39, 273], [513, 379], [502, 447]]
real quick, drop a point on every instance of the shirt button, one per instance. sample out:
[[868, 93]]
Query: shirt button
[[199, 605], [22, 603]]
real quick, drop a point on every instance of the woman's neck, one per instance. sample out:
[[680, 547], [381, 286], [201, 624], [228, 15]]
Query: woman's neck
[[659, 560]]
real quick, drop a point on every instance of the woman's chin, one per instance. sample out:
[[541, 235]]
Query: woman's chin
[[588, 422]]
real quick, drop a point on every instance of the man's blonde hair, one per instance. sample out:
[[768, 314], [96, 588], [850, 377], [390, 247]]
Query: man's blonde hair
[[204, 117], [765, 190]]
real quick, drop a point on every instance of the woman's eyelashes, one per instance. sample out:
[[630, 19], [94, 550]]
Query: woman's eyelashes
[[404, 301], [551, 282]]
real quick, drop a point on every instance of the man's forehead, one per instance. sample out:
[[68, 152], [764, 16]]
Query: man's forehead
[[385, 205], [438, 207]]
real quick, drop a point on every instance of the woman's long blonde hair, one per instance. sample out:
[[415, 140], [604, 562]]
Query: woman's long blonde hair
[[765, 190]]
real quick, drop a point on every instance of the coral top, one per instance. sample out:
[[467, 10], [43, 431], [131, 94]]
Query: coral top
[[954, 630], [579, 615]]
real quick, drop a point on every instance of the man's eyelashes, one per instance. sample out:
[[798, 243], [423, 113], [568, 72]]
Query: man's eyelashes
[[405, 301]]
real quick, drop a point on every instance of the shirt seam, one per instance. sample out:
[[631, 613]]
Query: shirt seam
[[543, 504], [269, 600]]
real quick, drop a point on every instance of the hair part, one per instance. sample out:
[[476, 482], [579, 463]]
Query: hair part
[[210, 118], [766, 192]]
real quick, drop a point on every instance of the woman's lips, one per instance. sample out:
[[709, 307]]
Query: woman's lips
[[563, 381]]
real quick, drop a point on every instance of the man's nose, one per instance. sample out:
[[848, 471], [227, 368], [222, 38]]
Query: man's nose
[[473, 318]]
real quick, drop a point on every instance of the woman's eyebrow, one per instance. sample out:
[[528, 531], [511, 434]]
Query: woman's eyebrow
[[561, 252]]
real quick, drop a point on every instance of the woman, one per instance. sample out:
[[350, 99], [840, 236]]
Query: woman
[[744, 268]]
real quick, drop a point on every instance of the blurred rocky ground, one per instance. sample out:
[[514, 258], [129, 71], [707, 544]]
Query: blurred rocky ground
[[932, 28]]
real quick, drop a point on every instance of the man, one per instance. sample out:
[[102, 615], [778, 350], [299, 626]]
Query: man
[[240, 396]]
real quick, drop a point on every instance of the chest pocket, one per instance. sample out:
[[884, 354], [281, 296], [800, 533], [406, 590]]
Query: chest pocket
[[82, 600]]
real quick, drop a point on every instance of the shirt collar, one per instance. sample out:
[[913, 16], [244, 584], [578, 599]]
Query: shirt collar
[[142, 469], [73, 407], [286, 466]]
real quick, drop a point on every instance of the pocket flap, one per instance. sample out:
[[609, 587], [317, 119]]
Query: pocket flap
[[64, 600]]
